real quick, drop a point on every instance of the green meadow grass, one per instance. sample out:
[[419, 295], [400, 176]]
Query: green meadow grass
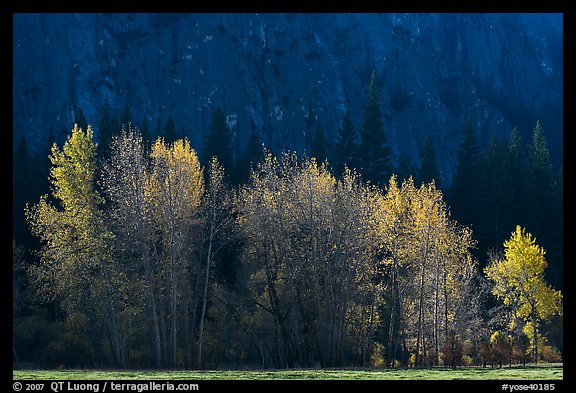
[[547, 372]]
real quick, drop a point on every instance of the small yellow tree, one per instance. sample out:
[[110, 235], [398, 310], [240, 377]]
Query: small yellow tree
[[519, 282]]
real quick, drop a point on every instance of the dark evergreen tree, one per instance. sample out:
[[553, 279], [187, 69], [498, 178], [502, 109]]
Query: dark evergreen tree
[[158, 128], [541, 179], [255, 149], [21, 158], [60, 138], [183, 133], [492, 194], [170, 131], [145, 131], [319, 147], [42, 164], [405, 169], [252, 155], [126, 117], [218, 142], [108, 126], [428, 164], [375, 157], [558, 230], [464, 198], [518, 181], [545, 209], [20, 187], [81, 120], [30, 181], [346, 148]]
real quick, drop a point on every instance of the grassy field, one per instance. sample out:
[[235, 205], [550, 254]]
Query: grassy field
[[547, 372]]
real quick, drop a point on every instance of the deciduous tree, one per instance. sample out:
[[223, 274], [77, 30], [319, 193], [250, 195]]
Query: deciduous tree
[[519, 282], [175, 188], [77, 266]]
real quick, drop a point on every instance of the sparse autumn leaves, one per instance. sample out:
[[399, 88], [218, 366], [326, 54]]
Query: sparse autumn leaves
[[311, 260], [429, 269], [333, 259]]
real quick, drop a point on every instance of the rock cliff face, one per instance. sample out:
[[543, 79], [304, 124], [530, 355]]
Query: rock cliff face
[[283, 74]]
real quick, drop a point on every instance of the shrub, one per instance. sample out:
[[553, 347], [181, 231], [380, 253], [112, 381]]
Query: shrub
[[431, 358], [501, 348], [521, 348], [377, 359], [412, 360], [467, 360], [550, 354], [452, 351], [485, 353]]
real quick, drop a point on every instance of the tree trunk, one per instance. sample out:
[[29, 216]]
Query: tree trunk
[[153, 314], [389, 352], [445, 306], [163, 329], [173, 316], [419, 328], [204, 301], [112, 316], [278, 321], [187, 335], [535, 330], [401, 339], [195, 312], [436, 312]]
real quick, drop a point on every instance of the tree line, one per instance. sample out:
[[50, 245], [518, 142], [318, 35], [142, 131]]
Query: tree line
[[151, 256], [329, 271]]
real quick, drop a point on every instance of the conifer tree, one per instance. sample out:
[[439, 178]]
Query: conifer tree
[[517, 180], [158, 132], [218, 142], [428, 164], [319, 148], [541, 180], [81, 119], [145, 130], [253, 154], [558, 229], [126, 117], [375, 160], [20, 186], [545, 207], [346, 148], [493, 193], [541, 170], [464, 196], [41, 167], [405, 169], [170, 131], [108, 127]]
